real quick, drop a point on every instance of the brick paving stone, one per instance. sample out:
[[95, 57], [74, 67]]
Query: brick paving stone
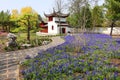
[[13, 68], [12, 75], [4, 62], [3, 71], [3, 58], [9, 60], [15, 55], [3, 67], [2, 55], [11, 79], [10, 56], [8, 52], [3, 77], [13, 64]]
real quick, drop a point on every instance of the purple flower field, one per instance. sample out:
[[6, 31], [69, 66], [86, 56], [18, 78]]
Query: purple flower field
[[81, 57]]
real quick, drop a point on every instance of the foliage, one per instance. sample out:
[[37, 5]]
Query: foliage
[[81, 14], [14, 18], [87, 16], [85, 21], [97, 16], [14, 15], [27, 18], [72, 20], [75, 8], [33, 42], [5, 22], [19, 29], [25, 13], [21, 39], [113, 12], [113, 9]]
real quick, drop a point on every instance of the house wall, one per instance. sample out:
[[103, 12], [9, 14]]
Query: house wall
[[50, 31], [45, 30], [56, 29], [66, 29]]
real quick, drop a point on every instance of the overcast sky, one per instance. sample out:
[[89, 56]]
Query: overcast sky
[[39, 6]]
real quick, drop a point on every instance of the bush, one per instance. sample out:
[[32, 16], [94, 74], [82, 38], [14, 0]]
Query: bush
[[9, 48], [33, 43], [16, 30]]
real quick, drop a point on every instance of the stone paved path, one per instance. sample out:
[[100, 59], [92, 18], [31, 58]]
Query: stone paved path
[[9, 61]]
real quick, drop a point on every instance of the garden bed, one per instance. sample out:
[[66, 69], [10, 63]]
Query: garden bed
[[116, 62], [22, 43], [82, 56], [25, 45]]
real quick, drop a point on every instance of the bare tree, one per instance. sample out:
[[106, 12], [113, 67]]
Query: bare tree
[[60, 6], [76, 7]]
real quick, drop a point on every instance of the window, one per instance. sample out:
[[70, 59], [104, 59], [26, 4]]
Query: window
[[50, 18], [52, 27]]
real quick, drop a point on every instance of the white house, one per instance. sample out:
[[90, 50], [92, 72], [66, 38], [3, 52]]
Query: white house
[[56, 23]]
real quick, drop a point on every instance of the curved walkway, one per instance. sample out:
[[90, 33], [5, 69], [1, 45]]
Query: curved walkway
[[9, 61]]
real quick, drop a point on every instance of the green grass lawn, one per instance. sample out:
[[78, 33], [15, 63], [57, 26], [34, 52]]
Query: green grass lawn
[[23, 36]]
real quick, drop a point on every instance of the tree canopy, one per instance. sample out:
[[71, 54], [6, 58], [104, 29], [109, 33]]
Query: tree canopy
[[112, 12], [113, 9], [5, 20], [81, 15], [97, 16], [27, 19]]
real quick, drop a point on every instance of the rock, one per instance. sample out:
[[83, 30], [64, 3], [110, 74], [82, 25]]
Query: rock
[[45, 42], [27, 45], [12, 40], [11, 35]]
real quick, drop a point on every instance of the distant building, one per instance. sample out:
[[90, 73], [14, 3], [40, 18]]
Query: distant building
[[56, 23]]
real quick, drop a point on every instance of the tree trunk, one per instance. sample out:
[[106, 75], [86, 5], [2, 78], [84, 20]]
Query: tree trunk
[[28, 33], [3, 27], [112, 26], [8, 28]]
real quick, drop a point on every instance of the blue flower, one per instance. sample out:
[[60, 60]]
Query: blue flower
[[27, 57], [91, 60], [105, 79], [23, 72]]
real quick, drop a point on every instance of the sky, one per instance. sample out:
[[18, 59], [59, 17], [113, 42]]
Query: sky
[[40, 6]]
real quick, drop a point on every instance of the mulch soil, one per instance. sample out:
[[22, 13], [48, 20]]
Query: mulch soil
[[116, 62], [2, 36]]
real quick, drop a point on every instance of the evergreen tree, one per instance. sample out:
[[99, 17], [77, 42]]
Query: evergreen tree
[[5, 20]]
